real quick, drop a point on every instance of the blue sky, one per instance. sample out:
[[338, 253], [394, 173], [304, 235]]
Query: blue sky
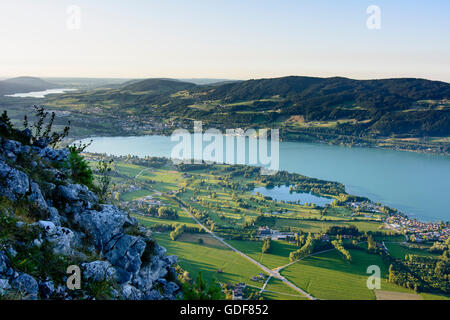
[[225, 39]]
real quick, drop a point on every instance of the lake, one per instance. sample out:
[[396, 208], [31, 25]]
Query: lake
[[39, 94], [282, 193], [415, 183]]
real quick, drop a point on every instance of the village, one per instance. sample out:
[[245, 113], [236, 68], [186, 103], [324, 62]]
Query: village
[[417, 231]]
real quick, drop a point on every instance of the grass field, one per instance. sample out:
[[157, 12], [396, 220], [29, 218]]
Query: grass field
[[328, 276], [208, 240], [127, 169], [279, 255], [429, 296], [319, 226], [399, 251], [277, 290], [150, 221], [133, 195], [194, 258]]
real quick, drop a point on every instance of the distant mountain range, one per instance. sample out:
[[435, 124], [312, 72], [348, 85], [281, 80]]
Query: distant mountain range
[[169, 82], [24, 84], [378, 107], [320, 107]]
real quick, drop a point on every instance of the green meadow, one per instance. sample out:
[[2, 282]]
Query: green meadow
[[209, 260], [399, 251], [277, 290], [278, 256], [328, 276]]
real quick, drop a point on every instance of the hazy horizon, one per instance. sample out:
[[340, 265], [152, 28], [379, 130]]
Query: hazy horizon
[[48, 78], [224, 40]]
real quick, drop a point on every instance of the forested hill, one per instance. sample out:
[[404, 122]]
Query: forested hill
[[23, 85], [326, 109], [158, 85], [389, 94]]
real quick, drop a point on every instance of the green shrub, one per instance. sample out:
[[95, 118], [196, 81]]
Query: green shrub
[[104, 180], [100, 290], [43, 130], [200, 290], [80, 172]]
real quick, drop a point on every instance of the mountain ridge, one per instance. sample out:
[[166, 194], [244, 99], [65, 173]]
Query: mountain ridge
[[334, 109], [24, 85]]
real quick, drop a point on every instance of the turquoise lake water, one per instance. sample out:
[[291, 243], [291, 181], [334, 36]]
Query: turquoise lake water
[[282, 193], [415, 183]]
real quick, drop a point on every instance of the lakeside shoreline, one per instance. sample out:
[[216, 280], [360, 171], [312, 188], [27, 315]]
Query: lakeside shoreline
[[394, 212], [419, 213], [71, 139]]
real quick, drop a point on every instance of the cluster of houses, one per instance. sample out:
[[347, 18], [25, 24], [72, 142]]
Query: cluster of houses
[[259, 277], [419, 231], [266, 232], [238, 291], [366, 206], [143, 205], [136, 123]]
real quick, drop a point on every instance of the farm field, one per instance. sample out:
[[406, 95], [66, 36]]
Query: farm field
[[397, 250], [328, 276], [209, 260], [279, 252], [151, 221], [277, 290], [319, 226]]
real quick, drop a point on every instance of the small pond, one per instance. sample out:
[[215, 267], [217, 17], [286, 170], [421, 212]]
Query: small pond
[[282, 193]]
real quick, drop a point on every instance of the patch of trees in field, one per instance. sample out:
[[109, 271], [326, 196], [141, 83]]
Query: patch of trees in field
[[422, 273], [167, 213], [235, 233], [340, 247], [179, 230], [302, 183], [312, 244], [427, 274], [346, 230], [267, 242]]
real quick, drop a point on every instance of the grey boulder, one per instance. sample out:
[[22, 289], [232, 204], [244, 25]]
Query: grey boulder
[[4, 286], [103, 225], [62, 238], [13, 183], [98, 271], [126, 253], [4, 262], [131, 293], [27, 286], [36, 196]]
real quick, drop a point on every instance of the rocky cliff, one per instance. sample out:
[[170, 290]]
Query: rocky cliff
[[48, 223]]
